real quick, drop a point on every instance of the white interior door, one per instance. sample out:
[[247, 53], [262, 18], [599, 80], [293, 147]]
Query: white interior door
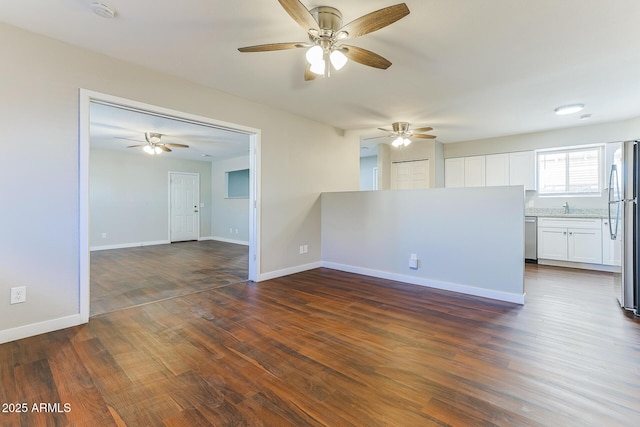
[[184, 206], [410, 175]]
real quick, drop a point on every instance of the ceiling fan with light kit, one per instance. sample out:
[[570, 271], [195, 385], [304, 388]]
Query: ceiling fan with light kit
[[325, 48], [154, 146], [402, 133]]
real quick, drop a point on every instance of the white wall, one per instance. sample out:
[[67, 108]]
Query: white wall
[[468, 240], [129, 197], [229, 217], [580, 135], [39, 242]]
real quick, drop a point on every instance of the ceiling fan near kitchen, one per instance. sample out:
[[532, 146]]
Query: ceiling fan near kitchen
[[325, 48], [402, 133], [154, 146]]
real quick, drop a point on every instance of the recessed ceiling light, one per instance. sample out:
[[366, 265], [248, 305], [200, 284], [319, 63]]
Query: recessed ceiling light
[[568, 109], [103, 10]]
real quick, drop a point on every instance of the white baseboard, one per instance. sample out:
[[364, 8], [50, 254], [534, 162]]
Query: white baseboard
[[26, 331], [224, 239], [288, 271], [446, 286], [580, 265], [129, 245]]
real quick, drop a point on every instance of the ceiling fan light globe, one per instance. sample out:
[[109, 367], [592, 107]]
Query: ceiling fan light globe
[[338, 59], [157, 150], [406, 141], [397, 142], [149, 149], [314, 55], [318, 68]]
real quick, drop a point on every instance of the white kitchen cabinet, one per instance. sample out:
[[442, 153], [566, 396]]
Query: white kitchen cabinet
[[585, 245], [552, 243], [522, 169], [570, 239], [497, 169], [454, 172], [474, 171]]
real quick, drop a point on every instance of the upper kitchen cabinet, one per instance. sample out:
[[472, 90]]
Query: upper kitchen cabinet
[[497, 169], [491, 170], [522, 169], [454, 172], [474, 171]]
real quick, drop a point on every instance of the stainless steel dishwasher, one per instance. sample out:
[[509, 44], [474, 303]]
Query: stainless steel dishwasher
[[531, 239]]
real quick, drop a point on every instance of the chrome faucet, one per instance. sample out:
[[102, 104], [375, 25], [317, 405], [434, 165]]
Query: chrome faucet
[[566, 207]]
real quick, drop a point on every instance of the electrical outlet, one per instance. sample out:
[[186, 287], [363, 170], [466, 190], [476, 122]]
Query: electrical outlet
[[104, 235], [18, 294], [301, 249], [305, 248]]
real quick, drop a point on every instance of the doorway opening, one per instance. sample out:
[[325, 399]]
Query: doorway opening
[[199, 147]]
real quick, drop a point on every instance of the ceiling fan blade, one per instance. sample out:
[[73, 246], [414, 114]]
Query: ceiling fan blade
[[273, 46], [300, 14], [134, 146], [163, 148], [172, 144], [365, 57], [308, 74], [427, 129], [375, 20], [423, 136], [128, 139], [386, 130]]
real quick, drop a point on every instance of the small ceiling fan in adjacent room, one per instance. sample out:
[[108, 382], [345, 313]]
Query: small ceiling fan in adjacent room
[[325, 48], [154, 146], [402, 134]]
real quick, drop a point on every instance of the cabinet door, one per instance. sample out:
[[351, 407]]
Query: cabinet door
[[454, 172], [474, 171], [585, 245], [552, 243], [522, 169], [497, 169]]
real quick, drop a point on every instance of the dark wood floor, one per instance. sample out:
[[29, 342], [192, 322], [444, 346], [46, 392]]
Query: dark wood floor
[[326, 348], [123, 278]]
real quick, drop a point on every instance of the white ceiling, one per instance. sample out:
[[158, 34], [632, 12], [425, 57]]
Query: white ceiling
[[118, 129], [469, 68]]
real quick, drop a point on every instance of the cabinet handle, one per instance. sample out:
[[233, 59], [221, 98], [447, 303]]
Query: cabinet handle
[[564, 233]]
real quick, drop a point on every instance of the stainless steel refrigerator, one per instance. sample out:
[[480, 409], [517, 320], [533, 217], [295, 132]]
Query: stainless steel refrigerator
[[624, 226]]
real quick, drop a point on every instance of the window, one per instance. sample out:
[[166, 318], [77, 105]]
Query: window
[[238, 184], [574, 171]]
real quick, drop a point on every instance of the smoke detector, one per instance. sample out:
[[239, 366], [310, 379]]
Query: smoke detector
[[103, 10]]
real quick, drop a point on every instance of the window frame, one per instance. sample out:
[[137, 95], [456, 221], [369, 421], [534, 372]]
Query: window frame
[[567, 150]]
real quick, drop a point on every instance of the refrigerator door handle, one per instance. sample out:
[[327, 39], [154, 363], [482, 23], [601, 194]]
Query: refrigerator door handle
[[613, 177]]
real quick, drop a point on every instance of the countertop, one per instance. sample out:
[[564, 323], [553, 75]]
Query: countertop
[[573, 213]]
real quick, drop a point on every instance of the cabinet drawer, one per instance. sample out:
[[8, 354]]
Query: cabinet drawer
[[588, 223]]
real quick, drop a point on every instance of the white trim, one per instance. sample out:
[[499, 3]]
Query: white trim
[[579, 265], [224, 239], [287, 271], [33, 329], [446, 286], [129, 245], [85, 98]]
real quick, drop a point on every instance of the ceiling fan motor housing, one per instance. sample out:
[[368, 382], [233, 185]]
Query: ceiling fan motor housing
[[401, 128], [329, 19]]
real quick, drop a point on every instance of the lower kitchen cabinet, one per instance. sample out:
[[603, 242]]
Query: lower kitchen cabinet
[[570, 239]]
